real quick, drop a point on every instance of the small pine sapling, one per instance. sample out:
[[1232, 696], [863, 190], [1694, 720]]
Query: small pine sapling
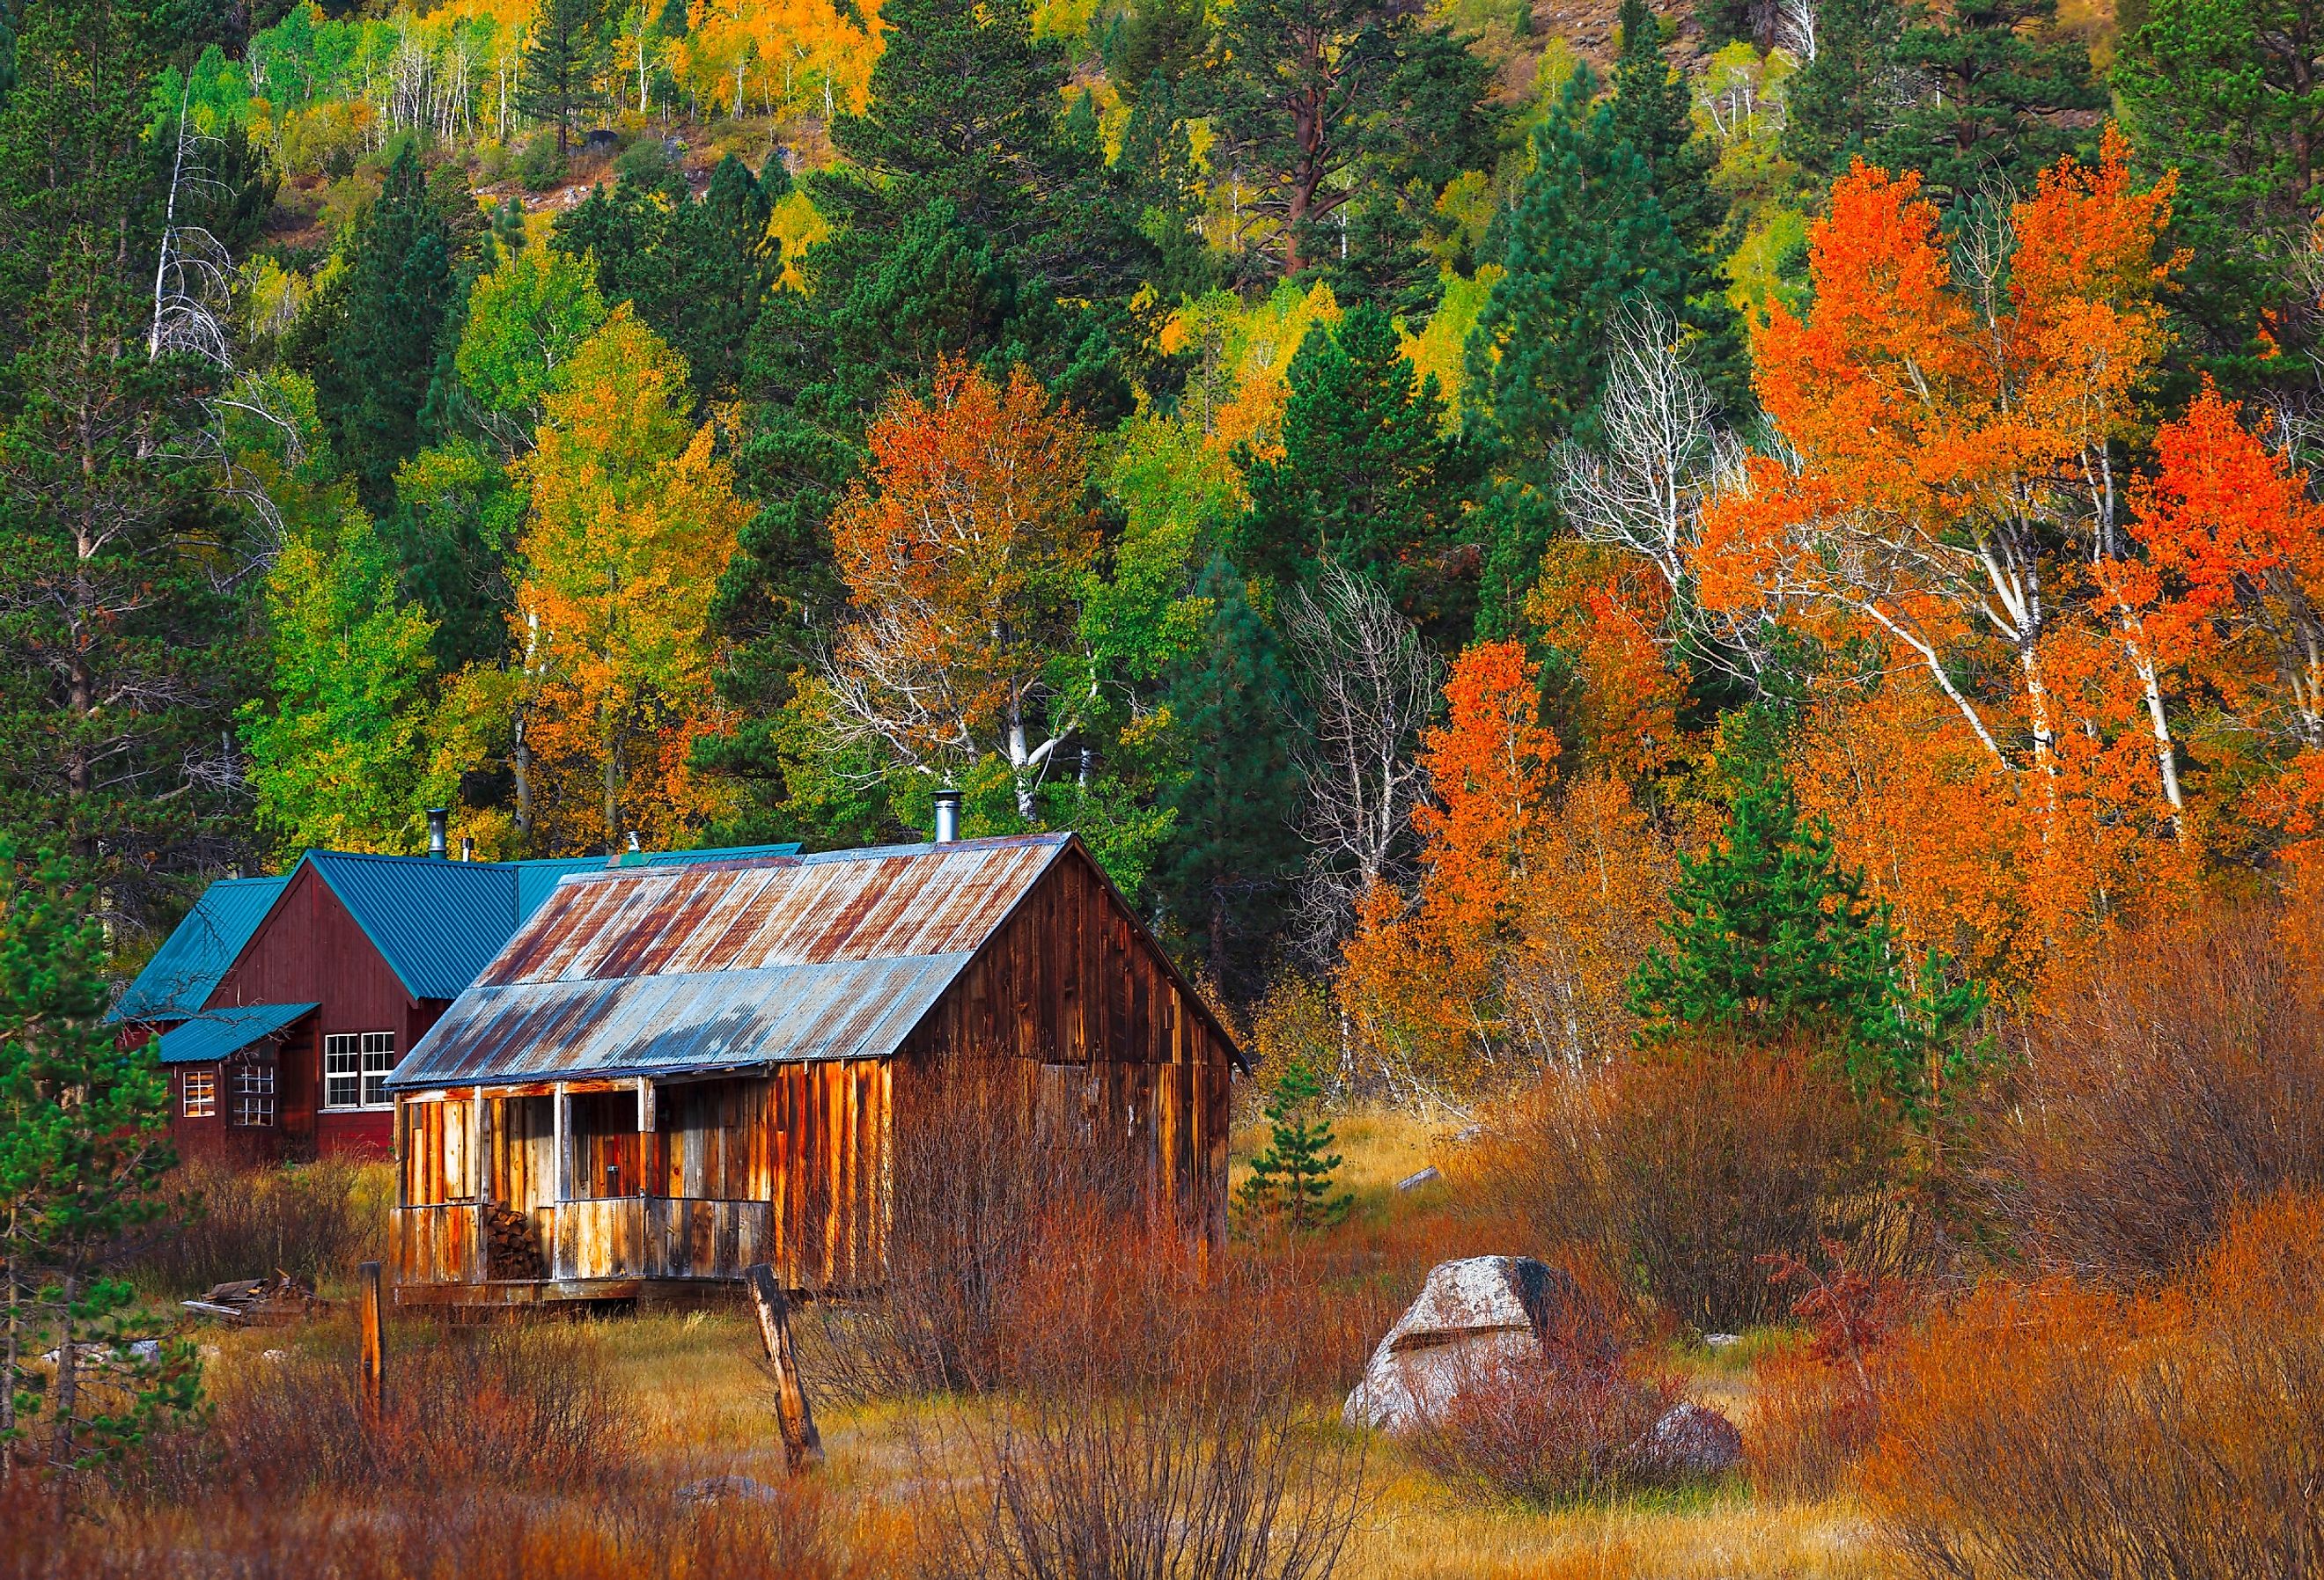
[[1292, 1179]]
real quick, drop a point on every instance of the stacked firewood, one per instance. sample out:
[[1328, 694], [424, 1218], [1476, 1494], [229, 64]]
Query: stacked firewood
[[511, 1248], [259, 1302]]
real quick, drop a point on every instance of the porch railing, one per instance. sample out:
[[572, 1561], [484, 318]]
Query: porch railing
[[606, 1237]]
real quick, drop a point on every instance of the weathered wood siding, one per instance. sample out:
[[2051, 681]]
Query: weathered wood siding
[[1107, 1038], [787, 1167], [793, 1165]]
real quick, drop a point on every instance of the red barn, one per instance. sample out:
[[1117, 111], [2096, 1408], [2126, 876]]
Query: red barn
[[281, 1005]]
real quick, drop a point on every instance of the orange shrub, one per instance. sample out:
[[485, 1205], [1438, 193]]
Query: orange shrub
[[2182, 1078], [1682, 1170], [2063, 1431]]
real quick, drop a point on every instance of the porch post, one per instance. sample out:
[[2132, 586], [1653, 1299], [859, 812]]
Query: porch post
[[562, 1106], [480, 1147], [647, 1161]]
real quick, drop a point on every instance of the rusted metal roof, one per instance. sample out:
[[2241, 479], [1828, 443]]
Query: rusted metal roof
[[717, 964]]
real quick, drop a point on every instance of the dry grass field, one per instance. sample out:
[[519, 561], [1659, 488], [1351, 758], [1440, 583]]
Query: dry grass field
[[703, 1408]]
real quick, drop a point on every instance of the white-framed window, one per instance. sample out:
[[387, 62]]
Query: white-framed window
[[253, 1093], [354, 1069], [198, 1093]]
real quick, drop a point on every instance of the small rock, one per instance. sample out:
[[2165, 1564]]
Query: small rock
[[1415, 1181], [1472, 1133], [1720, 1340], [278, 1356], [715, 1488], [1691, 1440]]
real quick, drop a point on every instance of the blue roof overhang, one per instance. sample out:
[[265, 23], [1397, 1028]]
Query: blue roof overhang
[[220, 1033]]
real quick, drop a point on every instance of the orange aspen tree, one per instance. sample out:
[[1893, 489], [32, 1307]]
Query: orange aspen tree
[[2231, 587], [1609, 616], [632, 519], [1950, 440], [967, 546], [1429, 976]]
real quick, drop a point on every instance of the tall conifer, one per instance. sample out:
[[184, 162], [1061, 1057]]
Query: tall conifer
[[120, 649], [1234, 852], [2001, 94], [1587, 234], [1368, 477], [567, 55], [1842, 101], [377, 339]]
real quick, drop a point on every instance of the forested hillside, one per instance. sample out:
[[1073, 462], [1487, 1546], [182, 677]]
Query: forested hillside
[[1403, 485]]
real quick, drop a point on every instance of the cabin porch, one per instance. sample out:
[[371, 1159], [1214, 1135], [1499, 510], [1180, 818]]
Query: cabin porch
[[611, 1189]]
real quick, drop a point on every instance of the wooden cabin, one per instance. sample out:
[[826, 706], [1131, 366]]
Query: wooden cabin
[[279, 1006], [668, 1075]]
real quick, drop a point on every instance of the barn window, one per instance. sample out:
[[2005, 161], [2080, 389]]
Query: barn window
[[354, 1069], [198, 1094], [253, 1094]]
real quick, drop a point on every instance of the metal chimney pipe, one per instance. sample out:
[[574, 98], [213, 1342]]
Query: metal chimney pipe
[[467, 847], [436, 817], [947, 816]]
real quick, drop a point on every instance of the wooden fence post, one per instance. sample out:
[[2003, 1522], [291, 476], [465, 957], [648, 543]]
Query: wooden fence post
[[371, 1361], [802, 1445]]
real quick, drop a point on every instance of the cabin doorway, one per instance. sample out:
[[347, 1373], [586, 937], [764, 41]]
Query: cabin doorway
[[524, 1153]]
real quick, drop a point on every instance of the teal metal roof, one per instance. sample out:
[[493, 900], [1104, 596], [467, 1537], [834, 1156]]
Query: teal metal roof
[[435, 923], [216, 1034], [185, 971]]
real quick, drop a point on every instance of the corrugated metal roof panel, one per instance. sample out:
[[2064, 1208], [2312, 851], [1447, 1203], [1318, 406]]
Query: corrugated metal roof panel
[[436, 923], [536, 878], [216, 1033], [724, 963], [186, 969], [664, 1025]]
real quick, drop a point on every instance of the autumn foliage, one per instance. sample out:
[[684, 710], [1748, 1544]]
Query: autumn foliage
[[633, 517], [2060, 1430], [963, 550]]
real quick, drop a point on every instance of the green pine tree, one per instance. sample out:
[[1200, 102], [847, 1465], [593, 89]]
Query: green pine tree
[[1587, 236], [2227, 96], [378, 339], [84, 1148], [1337, 112], [1772, 936], [1291, 1181], [1226, 877], [1653, 113], [567, 52], [122, 650], [1369, 477], [2004, 94], [698, 271], [1769, 933], [1842, 101], [722, 265]]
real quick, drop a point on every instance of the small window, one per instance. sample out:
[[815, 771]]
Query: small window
[[253, 1094], [356, 1064], [198, 1094]]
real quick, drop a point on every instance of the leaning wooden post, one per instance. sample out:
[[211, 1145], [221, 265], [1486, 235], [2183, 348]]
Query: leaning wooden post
[[802, 1445], [371, 1361]]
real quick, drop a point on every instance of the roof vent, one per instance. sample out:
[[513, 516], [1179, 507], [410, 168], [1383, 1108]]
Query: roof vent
[[437, 816], [947, 816], [635, 855], [467, 847]]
